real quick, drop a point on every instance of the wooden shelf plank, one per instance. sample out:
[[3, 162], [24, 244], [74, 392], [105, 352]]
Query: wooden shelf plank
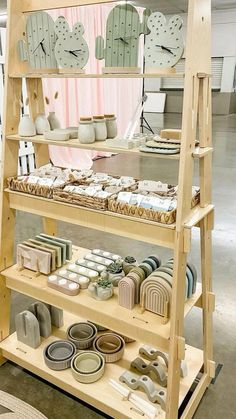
[[35, 5], [96, 76], [99, 146], [147, 327], [110, 222], [95, 394]]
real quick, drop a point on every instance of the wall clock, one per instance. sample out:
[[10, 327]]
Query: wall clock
[[38, 48], [71, 49], [123, 29], [164, 44]]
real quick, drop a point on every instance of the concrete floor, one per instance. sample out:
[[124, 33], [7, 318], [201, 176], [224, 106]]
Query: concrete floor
[[219, 401]]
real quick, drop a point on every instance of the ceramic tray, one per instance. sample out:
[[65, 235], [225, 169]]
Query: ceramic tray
[[88, 367]]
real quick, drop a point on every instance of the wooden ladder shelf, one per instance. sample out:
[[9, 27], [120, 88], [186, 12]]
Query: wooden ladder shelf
[[196, 123]]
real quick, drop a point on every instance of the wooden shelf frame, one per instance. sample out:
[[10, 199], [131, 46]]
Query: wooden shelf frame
[[198, 152], [32, 360], [146, 327], [196, 122], [45, 75]]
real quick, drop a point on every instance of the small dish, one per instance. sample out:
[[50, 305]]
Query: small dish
[[58, 354], [82, 334], [110, 345], [86, 360]]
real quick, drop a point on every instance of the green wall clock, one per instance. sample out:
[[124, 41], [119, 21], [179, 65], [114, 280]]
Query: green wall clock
[[71, 49], [123, 29], [164, 44], [38, 48]]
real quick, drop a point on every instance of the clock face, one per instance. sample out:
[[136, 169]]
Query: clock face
[[123, 29], [71, 53], [41, 39], [164, 45], [71, 49]]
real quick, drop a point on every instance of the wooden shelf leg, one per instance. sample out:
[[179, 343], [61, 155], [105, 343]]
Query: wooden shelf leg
[[176, 352], [207, 295], [50, 226]]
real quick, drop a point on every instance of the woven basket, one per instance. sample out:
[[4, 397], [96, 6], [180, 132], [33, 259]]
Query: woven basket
[[163, 217], [18, 185], [82, 200]]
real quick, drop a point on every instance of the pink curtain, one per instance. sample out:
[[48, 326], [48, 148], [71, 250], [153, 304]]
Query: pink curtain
[[85, 97]]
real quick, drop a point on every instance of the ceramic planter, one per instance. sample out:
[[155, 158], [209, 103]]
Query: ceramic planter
[[82, 334], [41, 123], [111, 346], [58, 355], [129, 263], [100, 293], [88, 367], [26, 127]]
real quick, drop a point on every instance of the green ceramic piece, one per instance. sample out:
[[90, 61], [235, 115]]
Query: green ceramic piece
[[123, 29]]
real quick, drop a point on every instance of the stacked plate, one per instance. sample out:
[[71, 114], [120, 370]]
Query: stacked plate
[[82, 334], [110, 345], [88, 367], [156, 289], [58, 354]]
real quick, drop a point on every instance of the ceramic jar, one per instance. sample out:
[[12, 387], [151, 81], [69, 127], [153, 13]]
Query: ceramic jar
[[53, 121], [100, 128], [41, 123], [86, 132], [26, 127], [111, 126]]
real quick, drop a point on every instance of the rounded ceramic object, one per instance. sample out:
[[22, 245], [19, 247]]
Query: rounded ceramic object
[[100, 128], [194, 273], [156, 259], [88, 367], [111, 346], [111, 126], [53, 121], [139, 271], [58, 355], [151, 262], [26, 127], [82, 334], [86, 132], [41, 123], [146, 268], [166, 270]]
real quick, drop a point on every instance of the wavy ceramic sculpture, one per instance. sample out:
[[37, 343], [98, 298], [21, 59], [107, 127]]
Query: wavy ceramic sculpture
[[126, 293]]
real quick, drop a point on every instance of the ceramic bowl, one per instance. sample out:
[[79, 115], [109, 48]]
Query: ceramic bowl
[[88, 367], [82, 334], [58, 355], [110, 345]]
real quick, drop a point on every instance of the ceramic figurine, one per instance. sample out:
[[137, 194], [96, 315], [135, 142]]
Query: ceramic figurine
[[101, 290], [26, 127], [123, 29], [71, 49], [41, 123]]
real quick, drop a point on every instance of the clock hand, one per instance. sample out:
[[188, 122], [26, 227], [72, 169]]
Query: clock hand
[[121, 39], [73, 52], [37, 46], [165, 48], [41, 43]]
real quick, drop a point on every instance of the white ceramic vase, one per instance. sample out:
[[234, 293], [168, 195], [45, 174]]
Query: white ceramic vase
[[26, 127], [41, 123], [53, 121]]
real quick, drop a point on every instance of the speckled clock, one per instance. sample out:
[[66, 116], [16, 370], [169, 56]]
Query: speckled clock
[[164, 44], [71, 49], [38, 47], [123, 29]]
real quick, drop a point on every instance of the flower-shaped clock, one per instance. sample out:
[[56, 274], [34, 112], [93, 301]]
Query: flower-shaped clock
[[71, 49], [164, 45]]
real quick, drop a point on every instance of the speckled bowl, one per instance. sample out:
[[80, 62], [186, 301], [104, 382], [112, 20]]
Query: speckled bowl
[[88, 367]]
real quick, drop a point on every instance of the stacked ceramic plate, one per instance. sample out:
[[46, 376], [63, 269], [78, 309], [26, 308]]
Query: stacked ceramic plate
[[82, 334], [58, 354], [156, 289], [88, 367], [110, 345]]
